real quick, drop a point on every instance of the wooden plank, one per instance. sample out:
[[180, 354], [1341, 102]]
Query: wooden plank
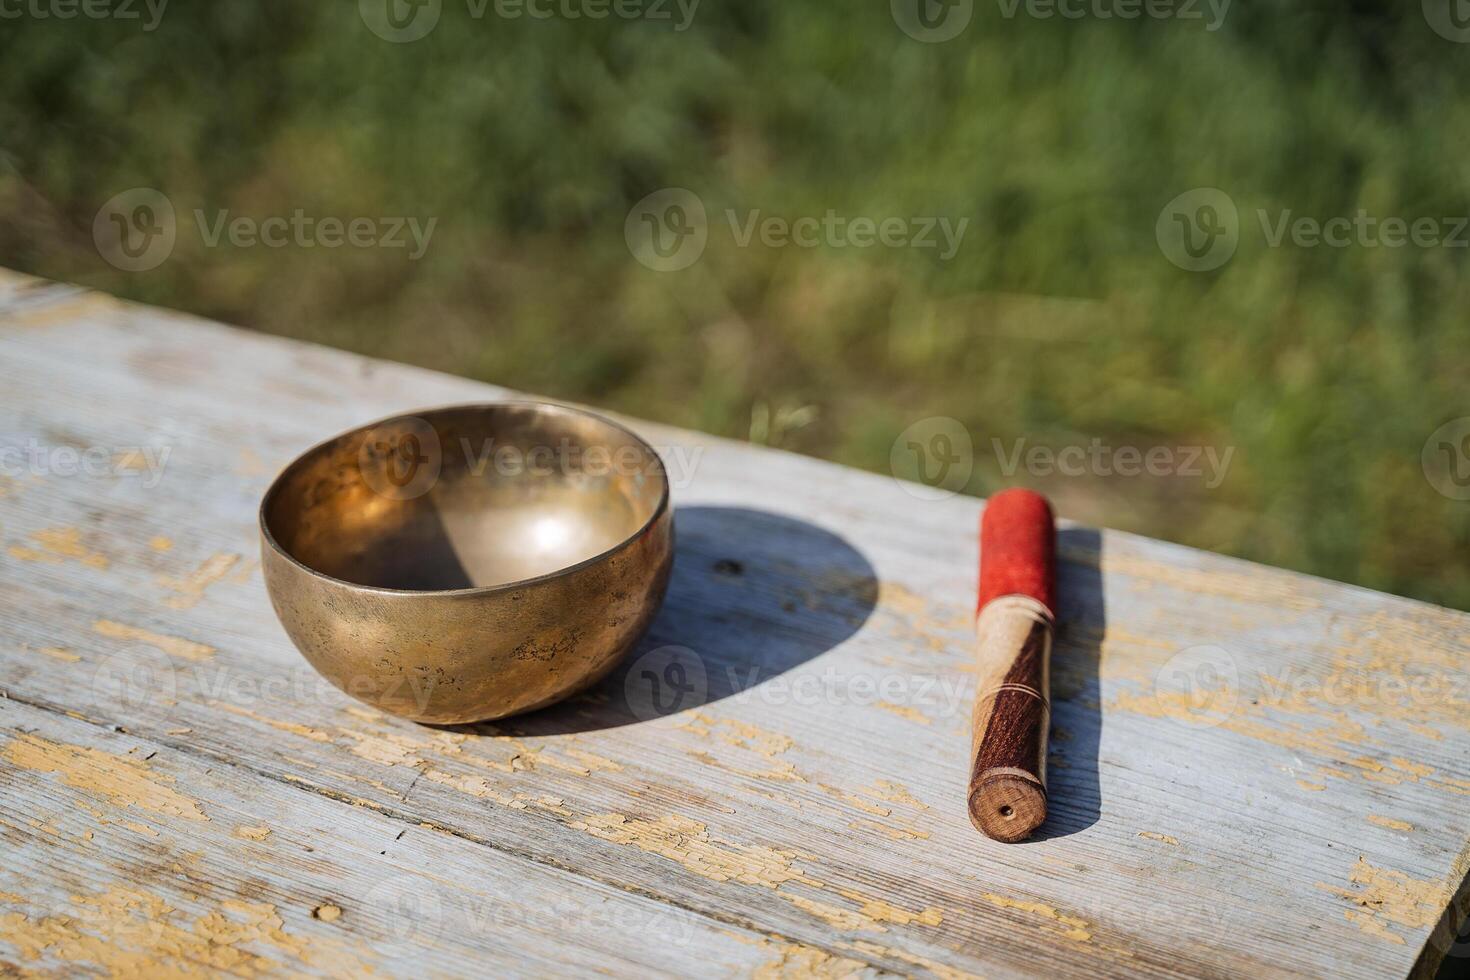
[[141, 860], [1237, 753]]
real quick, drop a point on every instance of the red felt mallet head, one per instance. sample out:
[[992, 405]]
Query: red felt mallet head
[[1018, 548]]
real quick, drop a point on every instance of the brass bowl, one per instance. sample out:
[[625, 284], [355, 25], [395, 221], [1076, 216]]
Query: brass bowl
[[470, 562]]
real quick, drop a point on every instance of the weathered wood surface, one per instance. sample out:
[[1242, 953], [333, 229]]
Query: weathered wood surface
[[1252, 772]]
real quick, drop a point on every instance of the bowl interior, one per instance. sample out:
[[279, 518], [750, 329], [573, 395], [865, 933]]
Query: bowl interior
[[466, 497]]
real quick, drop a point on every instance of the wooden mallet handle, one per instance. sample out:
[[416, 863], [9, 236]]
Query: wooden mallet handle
[[1013, 625]]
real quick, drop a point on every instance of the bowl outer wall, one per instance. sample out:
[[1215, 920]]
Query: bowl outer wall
[[476, 654]]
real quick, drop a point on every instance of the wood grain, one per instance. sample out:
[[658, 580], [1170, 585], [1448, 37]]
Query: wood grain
[[1237, 750], [1011, 718]]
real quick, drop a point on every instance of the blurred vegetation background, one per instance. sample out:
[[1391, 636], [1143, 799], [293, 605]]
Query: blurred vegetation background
[[1059, 321]]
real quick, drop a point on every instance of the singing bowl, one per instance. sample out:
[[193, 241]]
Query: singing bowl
[[471, 562]]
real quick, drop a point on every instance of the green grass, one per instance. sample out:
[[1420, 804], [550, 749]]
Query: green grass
[[1060, 320]]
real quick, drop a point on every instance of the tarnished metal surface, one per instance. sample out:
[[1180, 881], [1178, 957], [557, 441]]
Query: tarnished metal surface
[[471, 562]]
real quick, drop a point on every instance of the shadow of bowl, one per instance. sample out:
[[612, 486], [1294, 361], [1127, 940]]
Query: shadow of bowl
[[753, 594]]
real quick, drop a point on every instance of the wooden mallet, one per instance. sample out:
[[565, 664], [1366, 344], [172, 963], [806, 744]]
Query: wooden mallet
[[1014, 625]]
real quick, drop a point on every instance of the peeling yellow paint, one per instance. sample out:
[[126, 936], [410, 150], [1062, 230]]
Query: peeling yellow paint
[[878, 910], [1413, 768], [140, 828], [528, 757], [386, 748], [1075, 929], [904, 711], [784, 772], [305, 731], [160, 543], [595, 763], [245, 832], [1390, 823], [327, 912], [123, 780], [689, 843], [1385, 896], [191, 587], [476, 786], [45, 828], [1457, 786], [393, 749], [366, 714], [795, 961], [1161, 838], [895, 793], [132, 459], [57, 544], [553, 804], [924, 613], [845, 919], [749, 738], [60, 653], [857, 801], [135, 935], [1367, 924], [1311, 787], [172, 645], [893, 833]]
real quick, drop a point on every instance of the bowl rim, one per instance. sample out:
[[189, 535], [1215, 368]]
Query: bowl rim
[[475, 590]]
